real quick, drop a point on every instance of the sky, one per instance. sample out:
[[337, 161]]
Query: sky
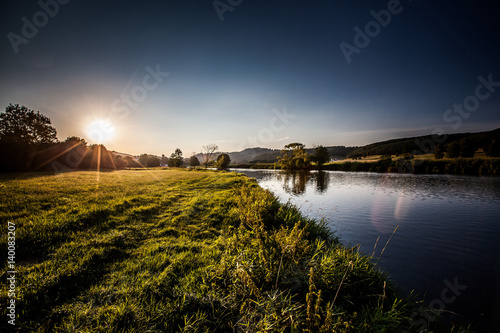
[[152, 76]]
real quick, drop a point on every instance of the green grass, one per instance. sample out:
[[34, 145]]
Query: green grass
[[182, 251]]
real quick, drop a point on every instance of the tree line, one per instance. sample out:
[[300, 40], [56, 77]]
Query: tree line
[[28, 142]]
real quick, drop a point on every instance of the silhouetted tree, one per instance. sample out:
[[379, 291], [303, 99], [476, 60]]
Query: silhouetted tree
[[453, 149], [223, 161], [98, 157], [467, 148], [321, 155], [20, 124], [175, 159], [27, 140], [193, 161], [75, 140], [493, 149], [75, 149], [438, 152]]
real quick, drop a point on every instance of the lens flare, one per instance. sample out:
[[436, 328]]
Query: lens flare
[[100, 131]]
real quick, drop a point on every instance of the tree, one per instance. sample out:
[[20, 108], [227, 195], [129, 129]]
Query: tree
[[75, 141], [20, 124], [438, 152], [294, 157], [98, 157], [223, 161], [467, 148], [119, 162], [453, 149], [131, 163], [149, 161], [164, 160], [494, 148], [208, 151], [175, 159], [193, 161], [321, 155]]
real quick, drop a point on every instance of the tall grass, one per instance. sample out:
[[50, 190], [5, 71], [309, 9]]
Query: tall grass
[[176, 251]]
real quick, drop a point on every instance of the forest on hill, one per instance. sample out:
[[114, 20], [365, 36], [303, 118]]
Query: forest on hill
[[460, 144]]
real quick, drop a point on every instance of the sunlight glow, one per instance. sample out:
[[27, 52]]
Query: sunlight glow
[[100, 131]]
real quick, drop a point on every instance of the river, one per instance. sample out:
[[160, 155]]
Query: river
[[447, 244]]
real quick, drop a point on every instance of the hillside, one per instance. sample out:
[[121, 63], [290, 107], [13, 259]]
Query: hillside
[[266, 155], [426, 144]]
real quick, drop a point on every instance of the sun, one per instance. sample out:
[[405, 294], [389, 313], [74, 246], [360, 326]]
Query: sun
[[100, 131]]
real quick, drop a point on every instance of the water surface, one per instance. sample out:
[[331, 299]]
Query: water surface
[[447, 245]]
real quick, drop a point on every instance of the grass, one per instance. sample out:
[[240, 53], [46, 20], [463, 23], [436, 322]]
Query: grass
[[480, 154], [182, 251]]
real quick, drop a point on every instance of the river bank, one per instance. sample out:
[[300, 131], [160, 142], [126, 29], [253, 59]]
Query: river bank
[[459, 166], [169, 250]]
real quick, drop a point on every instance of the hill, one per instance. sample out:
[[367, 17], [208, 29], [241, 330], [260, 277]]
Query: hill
[[427, 143], [266, 155]]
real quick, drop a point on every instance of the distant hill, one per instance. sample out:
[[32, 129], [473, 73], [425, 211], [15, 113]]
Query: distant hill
[[416, 145], [123, 155], [424, 144], [251, 155], [266, 155]]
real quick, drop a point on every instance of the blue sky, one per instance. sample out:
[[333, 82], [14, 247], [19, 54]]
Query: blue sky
[[229, 79]]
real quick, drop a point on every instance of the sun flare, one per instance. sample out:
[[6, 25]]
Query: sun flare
[[100, 131]]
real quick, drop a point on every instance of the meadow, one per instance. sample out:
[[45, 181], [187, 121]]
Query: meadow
[[156, 250]]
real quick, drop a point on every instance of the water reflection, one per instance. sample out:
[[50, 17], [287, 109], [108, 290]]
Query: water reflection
[[322, 181], [295, 182], [448, 227]]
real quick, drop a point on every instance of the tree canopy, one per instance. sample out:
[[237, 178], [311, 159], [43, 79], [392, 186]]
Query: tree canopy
[[321, 155], [149, 161], [175, 159], [20, 124], [193, 161], [294, 157], [223, 161]]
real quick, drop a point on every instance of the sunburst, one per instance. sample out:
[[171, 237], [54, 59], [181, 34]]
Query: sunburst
[[100, 131]]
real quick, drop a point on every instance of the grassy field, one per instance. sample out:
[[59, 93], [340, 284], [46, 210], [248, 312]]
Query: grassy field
[[181, 251]]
